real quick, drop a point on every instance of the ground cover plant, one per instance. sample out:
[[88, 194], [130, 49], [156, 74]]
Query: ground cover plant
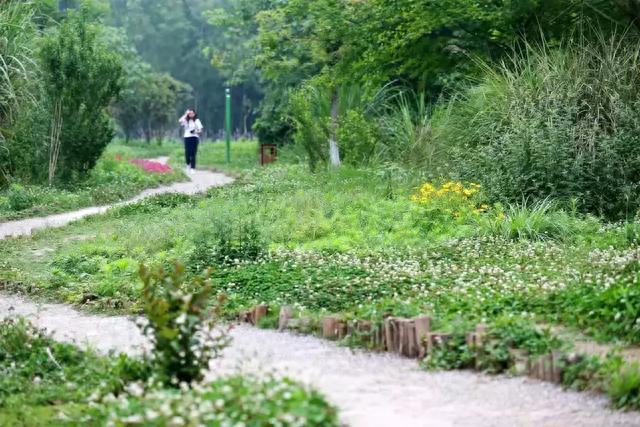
[[361, 244], [358, 243]]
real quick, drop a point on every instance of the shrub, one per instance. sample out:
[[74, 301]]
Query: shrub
[[357, 137], [82, 76], [504, 333], [313, 106], [452, 353], [19, 197], [558, 123], [179, 323]]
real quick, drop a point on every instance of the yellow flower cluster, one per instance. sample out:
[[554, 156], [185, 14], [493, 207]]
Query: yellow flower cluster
[[429, 192]]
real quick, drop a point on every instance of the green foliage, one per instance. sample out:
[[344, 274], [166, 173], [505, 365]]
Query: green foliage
[[229, 240], [313, 107], [35, 370], [171, 36], [180, 325], [271, 319], [82, 76], [453, 352], [148, 101], [504, 333], [17, 32], [604, 310], [557, 123], [357, 138], [111, 180], [624, 388], [540, 220], [16, 77], [41, 378], [406, 132], [234, 400]]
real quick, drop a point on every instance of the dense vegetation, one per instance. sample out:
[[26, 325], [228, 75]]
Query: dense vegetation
[[474, 161]]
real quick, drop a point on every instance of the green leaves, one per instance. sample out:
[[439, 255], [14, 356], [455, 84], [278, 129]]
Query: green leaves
[[81, 78], [181, 325]]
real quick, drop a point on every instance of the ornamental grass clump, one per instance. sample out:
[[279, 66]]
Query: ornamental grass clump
[[180, 324]]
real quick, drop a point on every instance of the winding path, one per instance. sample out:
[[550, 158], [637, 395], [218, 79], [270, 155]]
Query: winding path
[[370, 389], [200, 181]]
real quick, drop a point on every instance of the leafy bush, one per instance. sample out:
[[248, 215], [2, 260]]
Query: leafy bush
[[82, 76], [310, 113], [453, 352], [321, 111], [19, 197], [560, 123], [357, 137], [179, 324], [236, 400]]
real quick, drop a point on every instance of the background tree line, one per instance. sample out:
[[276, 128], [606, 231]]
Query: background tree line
[[532, 98]]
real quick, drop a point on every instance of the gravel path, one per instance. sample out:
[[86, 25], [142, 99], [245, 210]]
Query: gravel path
[[370, 389], [200, 181]]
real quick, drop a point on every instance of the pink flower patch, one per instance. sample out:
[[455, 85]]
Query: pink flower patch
[[151, 166]]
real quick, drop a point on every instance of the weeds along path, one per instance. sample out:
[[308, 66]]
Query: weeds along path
[[199, 181], [371, 389]]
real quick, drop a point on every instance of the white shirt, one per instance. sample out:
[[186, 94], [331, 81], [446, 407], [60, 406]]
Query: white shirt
[[190, 125]]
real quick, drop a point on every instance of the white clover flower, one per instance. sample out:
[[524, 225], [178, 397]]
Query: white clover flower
[[176, 421], [133, 419]]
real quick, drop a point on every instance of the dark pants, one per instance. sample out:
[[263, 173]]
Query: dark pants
[[190, 150]]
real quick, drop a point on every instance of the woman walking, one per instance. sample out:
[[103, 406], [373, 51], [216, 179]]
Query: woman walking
[[192, 130]]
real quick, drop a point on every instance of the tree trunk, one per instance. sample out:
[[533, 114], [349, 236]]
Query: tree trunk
[[334, 150]]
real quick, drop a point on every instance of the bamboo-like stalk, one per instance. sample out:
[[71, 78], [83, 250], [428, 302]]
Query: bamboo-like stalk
[[54, 143]]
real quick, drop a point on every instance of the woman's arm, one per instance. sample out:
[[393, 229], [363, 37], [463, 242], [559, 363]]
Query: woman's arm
[[182, 120], [199, 126]]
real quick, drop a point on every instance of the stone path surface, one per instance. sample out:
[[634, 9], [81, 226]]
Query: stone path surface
[[200, 181], [370, 389]]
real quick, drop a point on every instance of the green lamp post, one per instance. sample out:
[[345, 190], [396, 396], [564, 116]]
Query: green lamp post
[[228, 124]]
